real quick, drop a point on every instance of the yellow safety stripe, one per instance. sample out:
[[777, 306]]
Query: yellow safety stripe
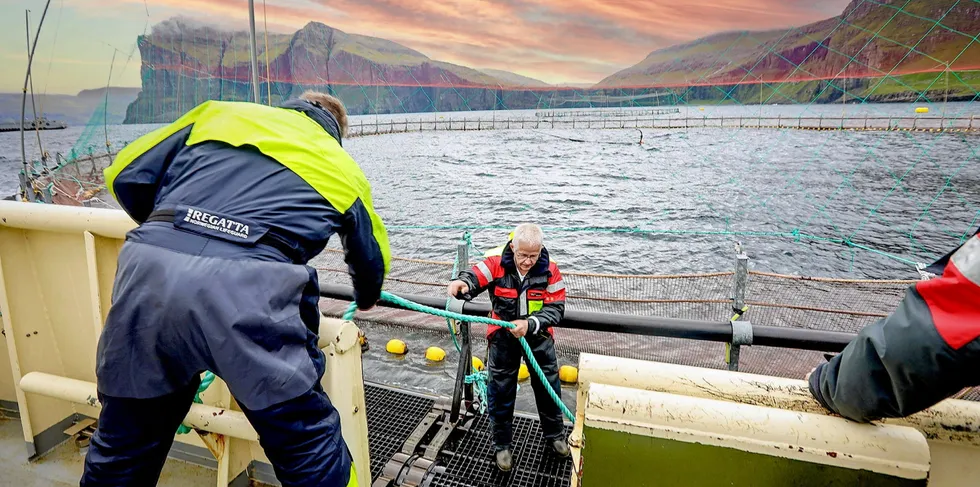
[[353, 476], [306, 149], [139, 146]]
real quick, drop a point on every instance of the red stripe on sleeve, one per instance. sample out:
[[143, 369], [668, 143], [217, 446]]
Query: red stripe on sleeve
[[954, 302]]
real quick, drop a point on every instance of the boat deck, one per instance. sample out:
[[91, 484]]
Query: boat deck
[[62, 466], [466, 458]]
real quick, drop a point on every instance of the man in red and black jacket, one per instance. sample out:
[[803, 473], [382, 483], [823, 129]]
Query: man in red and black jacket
[[525, 289], [925, 351]]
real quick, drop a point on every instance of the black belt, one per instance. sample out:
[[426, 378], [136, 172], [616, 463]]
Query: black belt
[[271, 238]]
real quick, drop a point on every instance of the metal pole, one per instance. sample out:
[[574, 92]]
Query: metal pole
[[29, 192], [200, 416], [23, 107], [462, 390], [463, 253], [253, 49], [105, 110], [268, 68], [37, 127], [741, 330]]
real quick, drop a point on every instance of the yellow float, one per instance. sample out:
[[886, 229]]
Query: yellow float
[[568, 374], [435, 354], [396, 347]]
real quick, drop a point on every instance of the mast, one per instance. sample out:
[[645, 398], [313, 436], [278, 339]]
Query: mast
[[105, 108], [23, 103], [251, 46], [268, 73], [37, 126]]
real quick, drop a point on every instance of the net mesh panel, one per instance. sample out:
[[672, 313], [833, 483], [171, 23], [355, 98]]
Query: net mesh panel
[[774, 300], [921, 52], [821, 304], [77, 179]]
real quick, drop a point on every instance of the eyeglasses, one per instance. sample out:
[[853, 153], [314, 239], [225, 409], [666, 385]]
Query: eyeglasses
[[531, 257]]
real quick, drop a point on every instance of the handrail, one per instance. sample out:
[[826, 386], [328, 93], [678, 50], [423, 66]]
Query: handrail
[[217, 420], [770, 336], [65, 219], [949, 421], [115, 224]]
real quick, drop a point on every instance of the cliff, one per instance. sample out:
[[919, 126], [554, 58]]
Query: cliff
[[185, 64], [866, 53], [868, 40]]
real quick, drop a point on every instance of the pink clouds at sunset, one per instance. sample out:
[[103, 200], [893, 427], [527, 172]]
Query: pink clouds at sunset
[[578, 41]]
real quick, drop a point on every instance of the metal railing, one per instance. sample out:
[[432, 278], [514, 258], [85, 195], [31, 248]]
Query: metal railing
[[772, 336], [607, 113], [598, 121]]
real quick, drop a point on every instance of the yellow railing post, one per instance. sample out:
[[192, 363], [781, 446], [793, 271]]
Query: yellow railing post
[[57, 265], [343, 382]]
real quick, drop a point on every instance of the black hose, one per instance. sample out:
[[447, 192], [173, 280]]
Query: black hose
[[720, 331]]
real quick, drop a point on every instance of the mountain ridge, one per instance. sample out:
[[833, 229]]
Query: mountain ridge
[[857, 55], [865, 40]]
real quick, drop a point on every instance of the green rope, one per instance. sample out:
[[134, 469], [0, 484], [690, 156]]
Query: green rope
[[404, 303], [468, 239], [205, 383], [349, 314], [883, 254], [479, 380]]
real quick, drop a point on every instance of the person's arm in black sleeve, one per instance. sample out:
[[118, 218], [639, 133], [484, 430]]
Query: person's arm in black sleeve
[[366, 253], [479, 277], [925, 351]]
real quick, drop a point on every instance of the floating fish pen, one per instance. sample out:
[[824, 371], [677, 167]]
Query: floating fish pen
[[77, 179], [684, 425], [38, 124], [607, 113], [592, 122]]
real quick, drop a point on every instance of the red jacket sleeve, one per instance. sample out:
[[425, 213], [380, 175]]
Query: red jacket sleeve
[[479, 277]]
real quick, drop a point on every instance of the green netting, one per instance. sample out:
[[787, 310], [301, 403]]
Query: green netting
[[839, 305], [921, 53], [93, 137]]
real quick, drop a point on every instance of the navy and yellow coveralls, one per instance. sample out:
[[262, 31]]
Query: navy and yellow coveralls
[[232, 200]]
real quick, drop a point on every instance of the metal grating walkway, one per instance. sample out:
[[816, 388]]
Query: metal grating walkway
[[467, 458]]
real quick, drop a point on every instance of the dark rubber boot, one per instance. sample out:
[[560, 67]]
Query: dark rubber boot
[[505, 460], [560, 446]]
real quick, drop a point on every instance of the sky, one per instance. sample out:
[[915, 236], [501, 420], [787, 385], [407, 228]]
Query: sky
[[557, 41]]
